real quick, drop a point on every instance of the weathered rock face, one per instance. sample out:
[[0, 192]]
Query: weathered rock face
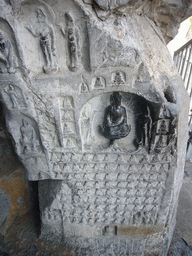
[[16, 198], [167, 15], [98, 116]]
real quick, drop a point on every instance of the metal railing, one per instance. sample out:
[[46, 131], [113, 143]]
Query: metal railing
[[183, 61]]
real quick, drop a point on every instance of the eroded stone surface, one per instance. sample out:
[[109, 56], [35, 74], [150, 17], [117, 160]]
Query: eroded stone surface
[[4, 210], [98, 116], [167, 15], [16, 198]]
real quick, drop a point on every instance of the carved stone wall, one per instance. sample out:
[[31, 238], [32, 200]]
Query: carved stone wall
[[166, 15], [98, 115]]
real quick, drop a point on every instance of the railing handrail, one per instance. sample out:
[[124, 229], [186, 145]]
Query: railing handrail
[[183, 47], [183, 63]]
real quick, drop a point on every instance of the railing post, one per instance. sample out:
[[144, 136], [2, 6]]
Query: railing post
[[182, 60]]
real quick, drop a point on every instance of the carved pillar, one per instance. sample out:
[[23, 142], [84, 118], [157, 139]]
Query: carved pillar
[[98, 115]]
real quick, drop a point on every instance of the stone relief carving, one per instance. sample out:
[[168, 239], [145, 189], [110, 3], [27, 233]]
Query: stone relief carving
[[144, 126], [115, 120], [166, 134], [98, 83], [69, 130], [86, 125], [14, 97], [117, 78], [107, 5], [84, 87], [47, 119], [6, 55], [65, 121], [107, 194], [44, 31], [29, 140], [138, 121], [72, 35], [110, 52], [111, 146]]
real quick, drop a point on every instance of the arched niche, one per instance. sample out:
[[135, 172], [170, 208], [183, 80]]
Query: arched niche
[[92, 116]]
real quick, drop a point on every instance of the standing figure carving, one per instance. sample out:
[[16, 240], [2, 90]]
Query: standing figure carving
[[15, 96], [73, 37], [115, 120], [6, 55], [144, 128], [29, 139], [45, 33], [87, 116]]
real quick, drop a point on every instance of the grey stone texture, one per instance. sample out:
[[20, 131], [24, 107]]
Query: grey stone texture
[[183, 226], [5, 205], [182, 239], [98, 116], [16, 196], [167, 15]]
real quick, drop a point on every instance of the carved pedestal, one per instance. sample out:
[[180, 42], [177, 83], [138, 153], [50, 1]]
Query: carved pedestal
[[98, 116]]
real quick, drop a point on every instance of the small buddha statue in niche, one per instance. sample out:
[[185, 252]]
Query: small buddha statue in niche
[[115, 120]]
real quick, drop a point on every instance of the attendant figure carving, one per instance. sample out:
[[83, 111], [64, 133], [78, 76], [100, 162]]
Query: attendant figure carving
[[115, 120], [15, 97], [6, 55], [144, 128], [29, 139], [73, 37], [87, 116], [45, 33]]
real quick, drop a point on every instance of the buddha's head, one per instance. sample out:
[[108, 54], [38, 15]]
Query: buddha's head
[[115, 99]]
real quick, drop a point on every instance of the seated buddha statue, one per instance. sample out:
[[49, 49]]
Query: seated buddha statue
[[115, 119]]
